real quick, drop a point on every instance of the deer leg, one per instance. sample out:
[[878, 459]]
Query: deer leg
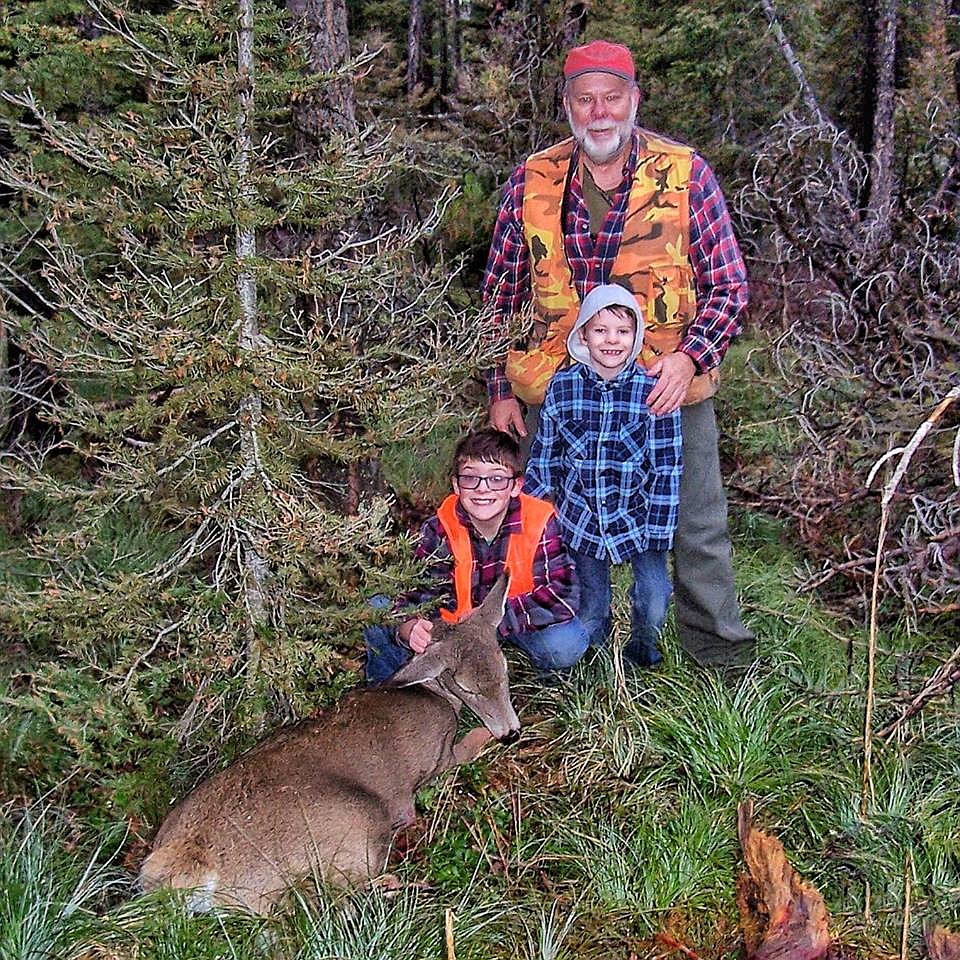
[[469, 747]]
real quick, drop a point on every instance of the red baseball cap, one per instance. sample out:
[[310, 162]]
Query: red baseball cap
[[600, 56]]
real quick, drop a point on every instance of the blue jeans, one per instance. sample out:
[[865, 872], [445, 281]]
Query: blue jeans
[[556, 647], [649, 597]]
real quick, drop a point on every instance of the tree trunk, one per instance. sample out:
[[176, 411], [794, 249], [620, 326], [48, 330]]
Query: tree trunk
[[330, 108], [946, 196], [414, 40], [452, 19], [443, 28], [866, 80], [4, 381], [255, 568], [793, 62], [942, 42], [327, 111], [953, 39], [574, 20], [841, 180], [882, 188]]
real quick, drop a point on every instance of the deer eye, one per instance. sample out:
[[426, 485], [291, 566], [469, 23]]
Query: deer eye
[[454, 681]]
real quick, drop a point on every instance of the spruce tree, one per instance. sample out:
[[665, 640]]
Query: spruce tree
[[227, 326]]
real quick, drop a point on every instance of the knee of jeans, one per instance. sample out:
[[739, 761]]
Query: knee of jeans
[[597, 624], [550, 661], [567, 659], [651, 594], [556, 647], [573, 643], [649, 617], [377, 634]]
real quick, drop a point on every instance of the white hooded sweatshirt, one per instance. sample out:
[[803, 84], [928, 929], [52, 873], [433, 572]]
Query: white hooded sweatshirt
[[610, 466], [599, 298]]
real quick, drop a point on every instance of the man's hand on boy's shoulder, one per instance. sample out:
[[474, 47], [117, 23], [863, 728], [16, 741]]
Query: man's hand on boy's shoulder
[[674, 372], [416, 633]]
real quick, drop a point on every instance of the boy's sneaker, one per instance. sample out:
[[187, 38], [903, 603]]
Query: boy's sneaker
[[639, 657]]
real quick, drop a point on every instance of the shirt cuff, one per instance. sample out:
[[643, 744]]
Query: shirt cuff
[[703, 353], [498, 386]]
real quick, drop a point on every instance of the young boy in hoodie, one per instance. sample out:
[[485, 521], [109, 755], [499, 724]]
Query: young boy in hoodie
[[485, 526], [611, 468]]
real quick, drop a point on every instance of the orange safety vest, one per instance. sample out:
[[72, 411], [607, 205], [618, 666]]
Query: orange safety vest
[[652, 261], [534, 515]]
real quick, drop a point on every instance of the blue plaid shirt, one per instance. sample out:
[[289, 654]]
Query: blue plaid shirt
[[611, 468]]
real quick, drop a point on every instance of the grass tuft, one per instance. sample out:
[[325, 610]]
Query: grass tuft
[[546, 937], [656, 854], [50, 897], [375, 925]]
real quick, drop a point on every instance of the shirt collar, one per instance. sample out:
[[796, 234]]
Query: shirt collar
[[594, 377], [511, 522], [629, 166]]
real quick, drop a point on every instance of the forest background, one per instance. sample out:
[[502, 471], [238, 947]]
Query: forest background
[[239, 332]]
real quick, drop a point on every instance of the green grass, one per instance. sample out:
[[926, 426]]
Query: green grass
[[644, 862], [51, 895], [546, 935], [375, 926], [614, 818]]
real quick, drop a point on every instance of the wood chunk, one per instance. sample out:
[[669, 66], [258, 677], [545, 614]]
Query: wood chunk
[[783, 917]]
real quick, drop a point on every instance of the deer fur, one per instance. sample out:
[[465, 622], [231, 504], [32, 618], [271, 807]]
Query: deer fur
[[325, 796]]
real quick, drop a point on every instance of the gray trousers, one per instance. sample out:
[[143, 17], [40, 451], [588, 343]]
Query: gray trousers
[[708, 615]]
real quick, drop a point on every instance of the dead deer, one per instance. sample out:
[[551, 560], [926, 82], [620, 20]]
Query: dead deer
[[325, 796]]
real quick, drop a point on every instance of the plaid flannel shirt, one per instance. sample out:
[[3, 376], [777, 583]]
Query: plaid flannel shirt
[[720, 276], [555, 597], [611, 467]]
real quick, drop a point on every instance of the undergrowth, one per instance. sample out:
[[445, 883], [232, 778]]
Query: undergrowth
[[612, 820]]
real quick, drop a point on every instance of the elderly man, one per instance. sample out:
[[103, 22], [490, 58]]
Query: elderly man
[[617, 203]]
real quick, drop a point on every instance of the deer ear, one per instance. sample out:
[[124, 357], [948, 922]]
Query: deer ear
[[422, 667], [491, 610]]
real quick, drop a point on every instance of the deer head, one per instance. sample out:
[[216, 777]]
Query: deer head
[[465, 665]]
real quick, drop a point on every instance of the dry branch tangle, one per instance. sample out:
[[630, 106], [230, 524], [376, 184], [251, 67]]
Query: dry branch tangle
[[865, 254], [869, 347]]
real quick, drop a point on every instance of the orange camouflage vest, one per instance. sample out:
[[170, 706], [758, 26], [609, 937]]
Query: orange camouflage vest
[[534, 515], [651, 260]]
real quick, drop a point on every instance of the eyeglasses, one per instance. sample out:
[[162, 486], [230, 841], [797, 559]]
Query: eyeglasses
[[470, 481]]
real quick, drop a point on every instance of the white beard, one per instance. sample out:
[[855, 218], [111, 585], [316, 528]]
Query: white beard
[[601, 153]]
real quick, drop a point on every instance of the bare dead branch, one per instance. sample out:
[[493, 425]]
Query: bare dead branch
[[940, 683]]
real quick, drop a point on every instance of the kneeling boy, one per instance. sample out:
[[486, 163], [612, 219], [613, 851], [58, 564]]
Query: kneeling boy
[[485, 526]]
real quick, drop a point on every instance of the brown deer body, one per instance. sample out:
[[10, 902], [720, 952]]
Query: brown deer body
[[325, 796]]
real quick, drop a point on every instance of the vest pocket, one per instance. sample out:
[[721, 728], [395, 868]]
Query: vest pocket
[[670, 304]]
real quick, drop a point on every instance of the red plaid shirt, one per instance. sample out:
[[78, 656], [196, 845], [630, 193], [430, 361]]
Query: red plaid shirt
[[720, 275]]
